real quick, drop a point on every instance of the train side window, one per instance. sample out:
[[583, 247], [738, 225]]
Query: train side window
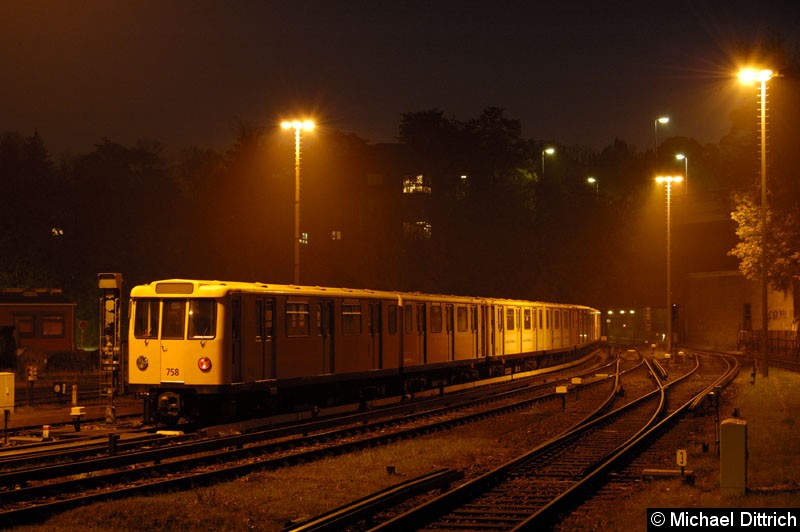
[[436, 318], [173, 322], [351, 317], [297, 322], [474, 315], [391, 315], [269, 314], [526, 319], [556, 319], [500, 321], [259, 319], [408, 318], [145, 320], [462, 319], [510, 325], [202, 318]]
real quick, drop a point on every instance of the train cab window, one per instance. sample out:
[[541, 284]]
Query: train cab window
[[172, 324], [510, 324], [202, 318], [351, 317], [297, 322], [526, 319], [462, 319], [436, 318], [145, 320], [391, 316], [408, 317]]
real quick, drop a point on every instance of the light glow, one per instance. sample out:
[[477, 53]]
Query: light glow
[[669, 179], [751, 75], [304, 125]]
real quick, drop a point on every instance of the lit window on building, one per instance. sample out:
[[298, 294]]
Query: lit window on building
[[416, 185], [417, 230], [304, 238], [336, 235]]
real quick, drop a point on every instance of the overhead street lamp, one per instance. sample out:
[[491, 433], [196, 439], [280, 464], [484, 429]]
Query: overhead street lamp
[[669, 180], [660, 120], [685, 159], [298, 126], [749, 76], [546, 151], [593, 181]]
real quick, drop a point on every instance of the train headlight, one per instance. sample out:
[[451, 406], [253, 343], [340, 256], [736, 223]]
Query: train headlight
[[142, 362], [204, 363]]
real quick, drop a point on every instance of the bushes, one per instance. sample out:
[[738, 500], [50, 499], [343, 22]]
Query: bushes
[[73, 362]]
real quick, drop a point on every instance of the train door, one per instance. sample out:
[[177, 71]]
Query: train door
[[449, 333], [173, 327], [422, 328], [236, 338], [375, 337], [500, 337], [265, 330], [325, 329]]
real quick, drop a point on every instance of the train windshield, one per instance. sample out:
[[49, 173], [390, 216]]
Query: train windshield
[[201, 323]]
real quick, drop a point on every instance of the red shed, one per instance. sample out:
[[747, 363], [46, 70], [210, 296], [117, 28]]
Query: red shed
[[40, 319]]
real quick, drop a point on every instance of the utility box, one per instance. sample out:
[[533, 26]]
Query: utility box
[[733, 457], [7, 392]]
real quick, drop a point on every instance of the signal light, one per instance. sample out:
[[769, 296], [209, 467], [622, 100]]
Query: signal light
[[204, 363], [674, 312]]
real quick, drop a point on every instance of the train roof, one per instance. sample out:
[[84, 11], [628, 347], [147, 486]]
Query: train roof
[[213, 288]]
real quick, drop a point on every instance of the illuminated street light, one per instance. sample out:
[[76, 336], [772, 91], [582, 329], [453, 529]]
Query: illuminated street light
[[660, 120], [685, 159], [669, 180], [749, 76], [593, 181], [546, 151], [298, 126]]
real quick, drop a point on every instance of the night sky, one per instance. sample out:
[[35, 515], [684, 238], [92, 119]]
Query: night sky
[[185, 72]]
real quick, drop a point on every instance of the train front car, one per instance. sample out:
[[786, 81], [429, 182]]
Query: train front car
[[176, 346]]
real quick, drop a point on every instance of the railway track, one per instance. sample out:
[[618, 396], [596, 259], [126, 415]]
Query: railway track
[[532, 490], [32, 492]]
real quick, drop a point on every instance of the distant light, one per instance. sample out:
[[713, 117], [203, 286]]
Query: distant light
[[680, 156], [669, 179], [663, 120], [751, 75], [549, 151], [464, 177], [591, 180]]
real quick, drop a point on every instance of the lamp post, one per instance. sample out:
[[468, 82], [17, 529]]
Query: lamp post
[[546, 151], [685, 159], [593, 181], [669, 180], [659, 120], [298, 126], [750, 76]]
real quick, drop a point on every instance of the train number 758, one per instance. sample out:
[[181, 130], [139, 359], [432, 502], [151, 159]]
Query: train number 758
[[173, 372]]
